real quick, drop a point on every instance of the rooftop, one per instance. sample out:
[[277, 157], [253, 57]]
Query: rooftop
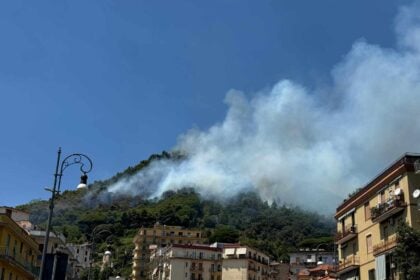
[[404, 163]]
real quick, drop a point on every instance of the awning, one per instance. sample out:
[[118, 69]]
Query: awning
[[241, 251], [230, 251], [346, 214]]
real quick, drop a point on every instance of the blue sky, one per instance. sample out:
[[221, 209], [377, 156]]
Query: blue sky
[[120, 80]]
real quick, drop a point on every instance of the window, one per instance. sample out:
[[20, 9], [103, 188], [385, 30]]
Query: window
[[385, 232], [198, 234], [371, 274], [369, 243], [367, 211]]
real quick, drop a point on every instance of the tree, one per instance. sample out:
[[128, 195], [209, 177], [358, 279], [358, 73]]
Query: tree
[[407, 253], [224, 233]]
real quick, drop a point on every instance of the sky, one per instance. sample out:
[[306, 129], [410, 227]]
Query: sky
[[121, 80]]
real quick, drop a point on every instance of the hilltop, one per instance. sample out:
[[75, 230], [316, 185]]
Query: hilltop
[[274, 229]]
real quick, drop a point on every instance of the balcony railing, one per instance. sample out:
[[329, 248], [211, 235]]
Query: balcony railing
[[383, 211], [244, 256], [18, 260], [350, 231], [349, 263], [196, 268], [385, 245]]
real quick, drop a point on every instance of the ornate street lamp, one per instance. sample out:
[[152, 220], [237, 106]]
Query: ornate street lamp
[[85, 167], [95, 233]]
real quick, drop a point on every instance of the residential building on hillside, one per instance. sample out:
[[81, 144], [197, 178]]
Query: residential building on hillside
[[161, 236], [18, 250], [219, 261], [367, 221], [82, 253], [305, 259]]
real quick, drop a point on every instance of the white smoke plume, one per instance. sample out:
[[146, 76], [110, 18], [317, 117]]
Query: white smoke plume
[[306, 147]]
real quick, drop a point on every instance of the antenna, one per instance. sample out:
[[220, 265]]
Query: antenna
[[416, 193]]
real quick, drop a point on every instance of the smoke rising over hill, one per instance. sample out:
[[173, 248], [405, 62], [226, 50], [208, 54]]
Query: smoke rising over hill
[[306, 147]]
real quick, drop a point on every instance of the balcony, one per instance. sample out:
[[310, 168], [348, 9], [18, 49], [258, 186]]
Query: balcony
[[349, 263], [383, 211], [196, 268], [385, 245], [350, 232], [252, 268], [19, 261]]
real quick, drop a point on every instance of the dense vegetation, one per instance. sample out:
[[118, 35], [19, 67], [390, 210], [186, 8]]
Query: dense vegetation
[[407, 253], [115, 218]]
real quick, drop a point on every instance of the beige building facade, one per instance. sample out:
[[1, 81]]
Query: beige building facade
[[180, 261], [18, 250], [367, 221], [219, 261], [159, 236], [243, 262]]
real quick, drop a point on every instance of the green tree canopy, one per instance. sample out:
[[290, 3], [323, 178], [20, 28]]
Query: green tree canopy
[[407, 253]]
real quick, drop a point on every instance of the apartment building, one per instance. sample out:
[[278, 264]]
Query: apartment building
[[308, 258], [59, 260], [82, 254], [160, 236], [18, 250], [219, 261], [279, 271], [367, 221], [181, 261], [243, 262]]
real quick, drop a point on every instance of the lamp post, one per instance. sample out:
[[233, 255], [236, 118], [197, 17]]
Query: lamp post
[[85, 167], [92, 243]]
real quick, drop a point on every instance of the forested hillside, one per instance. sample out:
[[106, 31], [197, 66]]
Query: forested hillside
[[245, 218]]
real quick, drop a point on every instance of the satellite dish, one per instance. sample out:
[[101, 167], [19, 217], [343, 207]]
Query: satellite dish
[[398, 191], [416, 193]]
